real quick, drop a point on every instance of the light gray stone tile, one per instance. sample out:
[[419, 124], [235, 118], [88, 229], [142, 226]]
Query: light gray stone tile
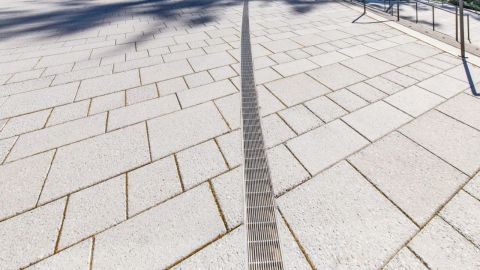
[[464, 108], [281, 45], [108, 84], [294, 67], [68, 112], [165, 71], [395, 57], [325, 109], [21, 183], [82, 74], [367, 92], [171, 86], [296, 89], [460, 74], [222, 73], [5, 146], [182, 55], [17, 66], [174, 132], [336, 76], [384, 85], [205, 93], [399, 78], [347, 100], [199, 163], [170, 238], [328, 58], [320, 213], [265, 75], [231, 146], [419, 49], [138, 63], [26, 75], [25, 123], [93, 210], [31, 236], [229, 107], [451, 140], [228, 190], [405, 260], [142, 111], [59, 135], [65, 58], [152, 184], [58, 69], [334, 141], [463, 213], [441, 247], [376, 120], [73, 258], [444, 85], [356, 51], [286, 171], [197, 79], [84, 163], [281, 57], [414, 73], [414, 100], [473, 187], [107, 102], [209, 61], [141, 93], [413, 178], [38, 100], [275, 131], [368, 65], [300, 119]]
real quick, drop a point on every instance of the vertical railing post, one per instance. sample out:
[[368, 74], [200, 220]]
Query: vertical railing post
[[462, 33], [398, 10], [456, 23], [364, 6], [468, 28], [416, 11], [433, 17]]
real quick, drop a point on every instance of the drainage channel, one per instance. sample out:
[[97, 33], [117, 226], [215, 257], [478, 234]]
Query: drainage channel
[[263, 244]]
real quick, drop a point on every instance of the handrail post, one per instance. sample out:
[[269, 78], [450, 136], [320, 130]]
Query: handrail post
[[433, 17], [462, 36], [468, 28], [456, 23], [398, 10], [364, 6], [416, 11]]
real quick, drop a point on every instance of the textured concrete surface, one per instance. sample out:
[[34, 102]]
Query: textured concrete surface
[[120, 137]]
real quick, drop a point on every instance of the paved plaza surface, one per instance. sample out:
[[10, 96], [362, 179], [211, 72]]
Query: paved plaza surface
[[120, 141]]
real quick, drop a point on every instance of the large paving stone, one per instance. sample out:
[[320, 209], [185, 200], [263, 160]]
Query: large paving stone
[[152, 184], [73, 258], [275, 131], [296, 89], [108, 84], [228, 189], [68, 112], [395, 57], [24, 123], [414, 100], [336, 76], [464, 108], [199, 163], [453, 141], [93, 210], [205, 93], [413, 178], [165, 71], [323, 146], [38, 100], [209, 61], [405, 260], [463, 213], [294, 67], [368, 66], [186, 223], [343, 222], [473, 186], [376, 120], [444, 85], [5, 146], [87, 162], [441, 247], [22, 182], [31, 236], [231, 146], [142, 111], [174, 132], [281, 45], [300, 119], [347, 100], [59, 135], [325, 109]]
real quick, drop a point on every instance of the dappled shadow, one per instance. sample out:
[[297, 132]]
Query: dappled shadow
[[72, 16]]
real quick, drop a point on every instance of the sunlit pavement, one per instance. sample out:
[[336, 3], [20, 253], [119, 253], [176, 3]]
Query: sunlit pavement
[[120, 141]]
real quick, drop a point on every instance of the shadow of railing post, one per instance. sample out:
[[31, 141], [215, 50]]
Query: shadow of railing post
[[471, 82]]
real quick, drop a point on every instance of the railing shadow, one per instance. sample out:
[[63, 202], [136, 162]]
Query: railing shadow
[[471, 82]]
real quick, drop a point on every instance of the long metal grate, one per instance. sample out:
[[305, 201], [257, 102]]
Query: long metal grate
[[263, 245]]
